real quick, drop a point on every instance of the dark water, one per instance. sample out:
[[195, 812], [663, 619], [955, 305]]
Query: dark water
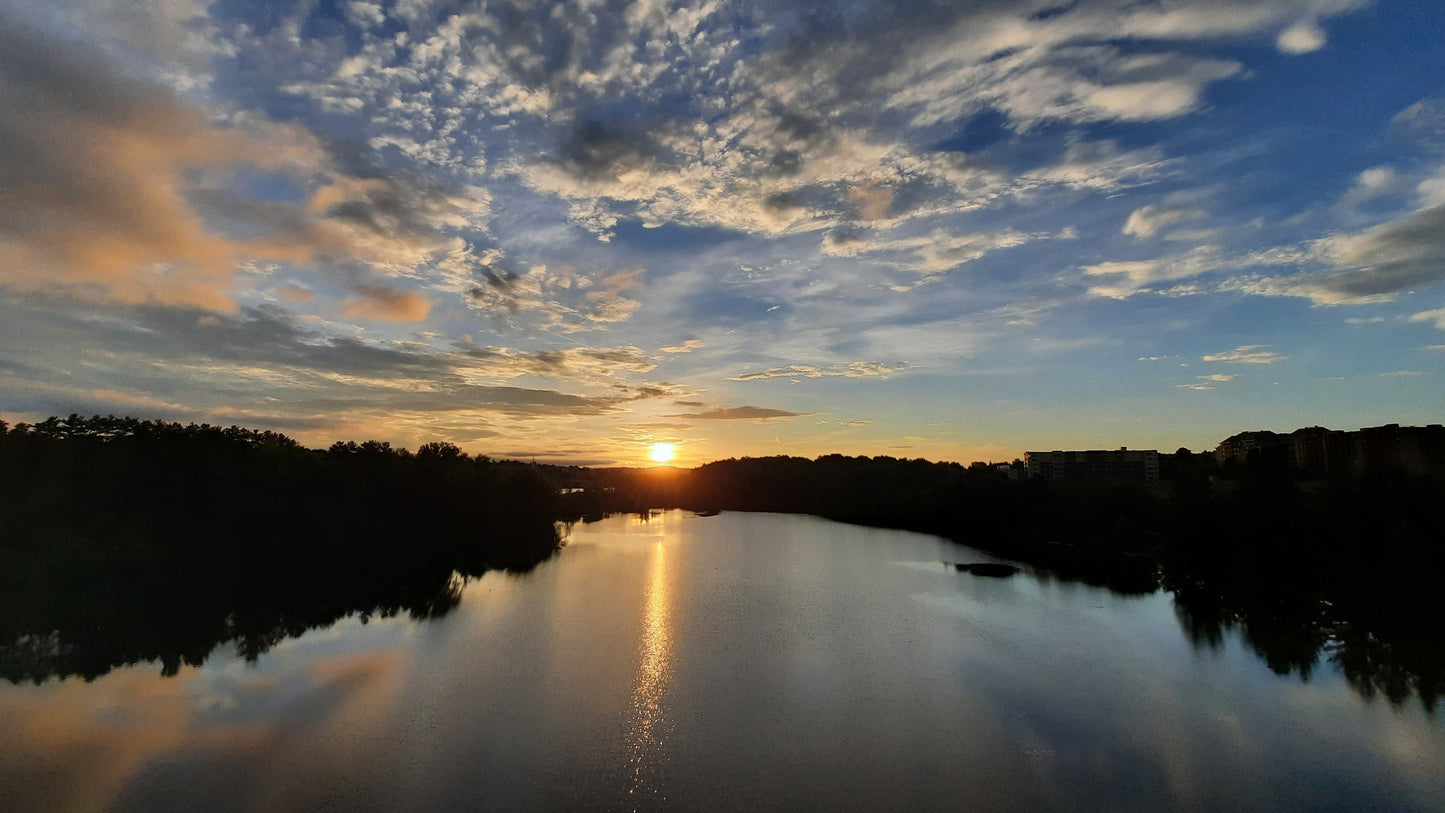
[[742, 661]]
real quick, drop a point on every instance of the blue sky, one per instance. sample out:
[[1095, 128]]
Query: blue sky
[[565, 231]]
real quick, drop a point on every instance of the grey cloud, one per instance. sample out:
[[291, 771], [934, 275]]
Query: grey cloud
[[49, 400], [601, 364], [194, 360], [517, 401], [742, 413], [601, 150], [1392, 257]]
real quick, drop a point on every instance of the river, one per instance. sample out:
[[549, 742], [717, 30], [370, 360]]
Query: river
[[740, 661]]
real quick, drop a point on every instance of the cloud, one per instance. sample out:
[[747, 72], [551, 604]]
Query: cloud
[[686, 347], [548, 298], [1370, 184], [1098, 166], [1436, 316], [295, 294], [1200, 387], [855, 369], [742, 413], [1147, 221], [1404, 253], [932, 254], [1129, 277], [1247, 354], [1403, 374], [1217, 377], [119, 187], [601, 365], [623, 122], [388, 304], [1368, 266], [95, 171], [1421, 125], [1301, 38], [283, 371]]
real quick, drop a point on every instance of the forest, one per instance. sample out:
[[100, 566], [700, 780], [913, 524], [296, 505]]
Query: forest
[[127, 540]]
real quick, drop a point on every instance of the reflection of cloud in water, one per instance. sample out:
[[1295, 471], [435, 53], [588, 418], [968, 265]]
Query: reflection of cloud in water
[[647, 732]]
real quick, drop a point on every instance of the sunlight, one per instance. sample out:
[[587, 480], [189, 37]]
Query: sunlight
[[662, 452], [649, 724]]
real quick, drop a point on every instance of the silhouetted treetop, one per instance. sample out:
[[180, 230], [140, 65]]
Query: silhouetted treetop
[[127, 540]]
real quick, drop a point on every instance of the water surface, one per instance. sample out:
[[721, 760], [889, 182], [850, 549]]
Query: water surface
[[741, 661]]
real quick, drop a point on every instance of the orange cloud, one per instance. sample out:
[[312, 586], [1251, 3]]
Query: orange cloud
[[388, 304], [117, 190], [98, 168]]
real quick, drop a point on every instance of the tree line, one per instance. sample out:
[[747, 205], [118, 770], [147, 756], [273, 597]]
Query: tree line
[[128, 540]]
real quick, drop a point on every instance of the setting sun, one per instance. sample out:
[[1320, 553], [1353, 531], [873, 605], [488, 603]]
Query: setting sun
[[662, 452]]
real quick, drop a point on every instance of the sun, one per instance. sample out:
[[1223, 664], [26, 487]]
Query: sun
[[662, 452]]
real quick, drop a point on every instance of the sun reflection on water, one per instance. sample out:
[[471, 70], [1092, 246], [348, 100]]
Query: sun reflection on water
[[647, 732]]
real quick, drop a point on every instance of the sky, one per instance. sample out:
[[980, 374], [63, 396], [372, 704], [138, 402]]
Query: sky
[[566, 231]]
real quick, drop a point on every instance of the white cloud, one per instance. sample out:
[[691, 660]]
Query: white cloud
[[1147, 221], [1301, 38], [1129, 277], [1247, 354], [932, 254], [1436, 316], [1431, 191], [1421, 125], [550, 298]]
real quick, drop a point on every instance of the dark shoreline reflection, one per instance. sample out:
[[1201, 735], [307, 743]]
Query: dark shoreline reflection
[[125, 541], [1383, 645], [81, 618]]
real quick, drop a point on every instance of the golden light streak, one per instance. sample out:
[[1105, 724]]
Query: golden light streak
[[653, 672]]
